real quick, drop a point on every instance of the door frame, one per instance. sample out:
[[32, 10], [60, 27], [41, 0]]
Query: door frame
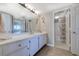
[[67, 12]]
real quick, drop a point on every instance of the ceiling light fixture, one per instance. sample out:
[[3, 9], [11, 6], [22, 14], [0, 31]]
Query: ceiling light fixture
[[29, 7]]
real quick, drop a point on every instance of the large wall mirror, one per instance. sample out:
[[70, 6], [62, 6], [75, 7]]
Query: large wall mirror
[[10, 24]]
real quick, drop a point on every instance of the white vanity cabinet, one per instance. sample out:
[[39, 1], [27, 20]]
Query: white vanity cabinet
[[0, 51], [24, 47], [33, 45], [20, 48]]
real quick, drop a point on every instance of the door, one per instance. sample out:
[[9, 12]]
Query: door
[[33, 45], [75, 31]]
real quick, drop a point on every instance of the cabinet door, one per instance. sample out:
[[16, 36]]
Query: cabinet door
[[33, 45], [45, 38], [41, 41], [0, 51], [21, 52]]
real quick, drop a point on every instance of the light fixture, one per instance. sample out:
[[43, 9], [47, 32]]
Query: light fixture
[[29, 7], [37, 12]]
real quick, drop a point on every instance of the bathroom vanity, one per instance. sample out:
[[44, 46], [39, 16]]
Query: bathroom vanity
[[22, 44]]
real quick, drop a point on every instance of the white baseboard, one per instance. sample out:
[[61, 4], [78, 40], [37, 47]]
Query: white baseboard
[[51, 45]]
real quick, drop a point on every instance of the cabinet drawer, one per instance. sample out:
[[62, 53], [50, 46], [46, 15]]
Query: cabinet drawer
[[21, 52], [10, 48]]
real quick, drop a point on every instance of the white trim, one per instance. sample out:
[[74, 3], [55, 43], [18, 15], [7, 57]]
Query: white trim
[[51, 45]]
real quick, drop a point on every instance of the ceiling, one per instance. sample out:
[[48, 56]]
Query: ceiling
[[18, 11], [46, 7]]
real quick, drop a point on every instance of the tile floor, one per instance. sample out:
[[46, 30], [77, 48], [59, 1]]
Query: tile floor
[[50, 51], [62, 45]]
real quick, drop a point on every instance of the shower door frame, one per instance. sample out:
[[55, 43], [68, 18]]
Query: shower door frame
[[68, 23]]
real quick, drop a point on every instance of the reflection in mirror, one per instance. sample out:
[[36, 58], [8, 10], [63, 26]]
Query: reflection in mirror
[[18, 25], [5, 22], [1, 27]]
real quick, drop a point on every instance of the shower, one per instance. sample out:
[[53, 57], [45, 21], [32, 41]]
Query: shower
[[61, 29], [60, 25]]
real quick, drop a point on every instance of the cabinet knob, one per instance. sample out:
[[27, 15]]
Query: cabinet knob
[[27, 48], [19, 45], [29, 41]]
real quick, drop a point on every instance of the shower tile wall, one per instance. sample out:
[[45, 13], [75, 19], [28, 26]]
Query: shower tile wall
[[63, 29], [60, 29]]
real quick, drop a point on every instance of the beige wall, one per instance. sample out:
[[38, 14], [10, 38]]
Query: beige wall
[[50, 27], [41, 24]]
